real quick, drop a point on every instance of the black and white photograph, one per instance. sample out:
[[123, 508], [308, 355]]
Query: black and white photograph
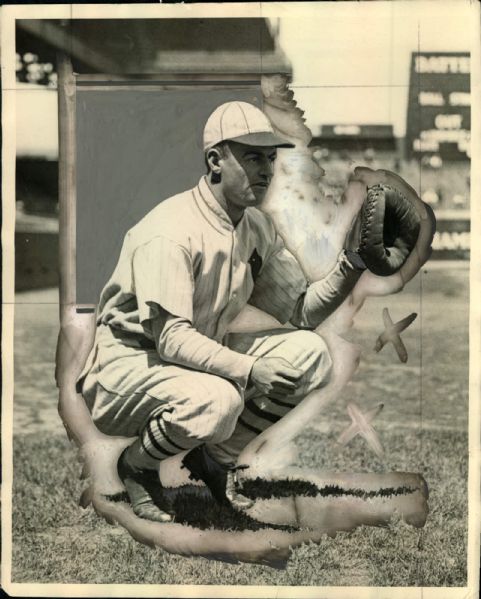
[[241, 339]]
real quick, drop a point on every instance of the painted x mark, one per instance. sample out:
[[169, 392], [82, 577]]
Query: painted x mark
[[392, 333], [361, 425]]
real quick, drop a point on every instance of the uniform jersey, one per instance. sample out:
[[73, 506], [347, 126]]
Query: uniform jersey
[[186, 257]]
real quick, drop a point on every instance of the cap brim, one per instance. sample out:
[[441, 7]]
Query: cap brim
[[264, 138]]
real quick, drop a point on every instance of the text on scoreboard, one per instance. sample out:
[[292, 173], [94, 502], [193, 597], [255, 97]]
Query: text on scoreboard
[[439, 116]]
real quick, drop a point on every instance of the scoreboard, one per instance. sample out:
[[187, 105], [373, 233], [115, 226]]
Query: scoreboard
[[439, 116]]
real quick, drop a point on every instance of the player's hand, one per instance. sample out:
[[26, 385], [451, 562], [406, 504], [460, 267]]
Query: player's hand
[[275, 377]]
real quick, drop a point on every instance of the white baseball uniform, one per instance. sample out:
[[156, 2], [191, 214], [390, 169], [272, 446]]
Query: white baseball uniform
[[162, 366]]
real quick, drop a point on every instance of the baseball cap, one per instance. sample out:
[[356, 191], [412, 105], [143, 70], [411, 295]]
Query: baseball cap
[[241, 122]]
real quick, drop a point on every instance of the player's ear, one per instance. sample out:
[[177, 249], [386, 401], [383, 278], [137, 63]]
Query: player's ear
[[213, 158]]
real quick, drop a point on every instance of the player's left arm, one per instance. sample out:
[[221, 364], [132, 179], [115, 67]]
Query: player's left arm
[[323, 297], [282, 289], [382, 235]]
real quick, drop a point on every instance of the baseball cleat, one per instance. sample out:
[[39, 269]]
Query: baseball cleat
[[142, 486], [221, 479]]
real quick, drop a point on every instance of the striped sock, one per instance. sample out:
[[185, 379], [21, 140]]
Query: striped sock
[[154, 444]]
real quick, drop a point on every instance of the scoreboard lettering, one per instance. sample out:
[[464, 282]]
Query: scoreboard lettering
[[439, 116], [447, 63], [452, 237]]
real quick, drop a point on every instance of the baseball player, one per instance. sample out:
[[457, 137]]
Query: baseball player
[[163, 368]]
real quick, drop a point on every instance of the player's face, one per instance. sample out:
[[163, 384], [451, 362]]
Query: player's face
[[246, 173]]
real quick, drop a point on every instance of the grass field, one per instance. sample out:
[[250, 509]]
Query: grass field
[[423, 428]]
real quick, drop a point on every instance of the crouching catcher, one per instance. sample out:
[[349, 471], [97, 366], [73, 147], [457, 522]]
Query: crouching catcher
[[163, 368]]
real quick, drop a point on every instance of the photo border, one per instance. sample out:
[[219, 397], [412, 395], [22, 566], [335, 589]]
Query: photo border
[[9, 15]]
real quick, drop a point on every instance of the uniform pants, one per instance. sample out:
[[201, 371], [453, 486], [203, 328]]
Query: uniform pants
[[172, 408]]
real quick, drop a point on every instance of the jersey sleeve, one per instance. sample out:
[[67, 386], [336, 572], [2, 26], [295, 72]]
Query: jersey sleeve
[[179, 343], [323, 297], [163, 277], [280, 282]]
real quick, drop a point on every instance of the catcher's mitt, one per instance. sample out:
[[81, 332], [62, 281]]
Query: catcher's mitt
[[388, 228]]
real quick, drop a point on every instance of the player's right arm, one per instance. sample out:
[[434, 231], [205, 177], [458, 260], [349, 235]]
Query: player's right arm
[[274, 377], [163, 278], [178, 342]]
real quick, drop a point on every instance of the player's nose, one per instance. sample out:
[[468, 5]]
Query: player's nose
[[266, 168]]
